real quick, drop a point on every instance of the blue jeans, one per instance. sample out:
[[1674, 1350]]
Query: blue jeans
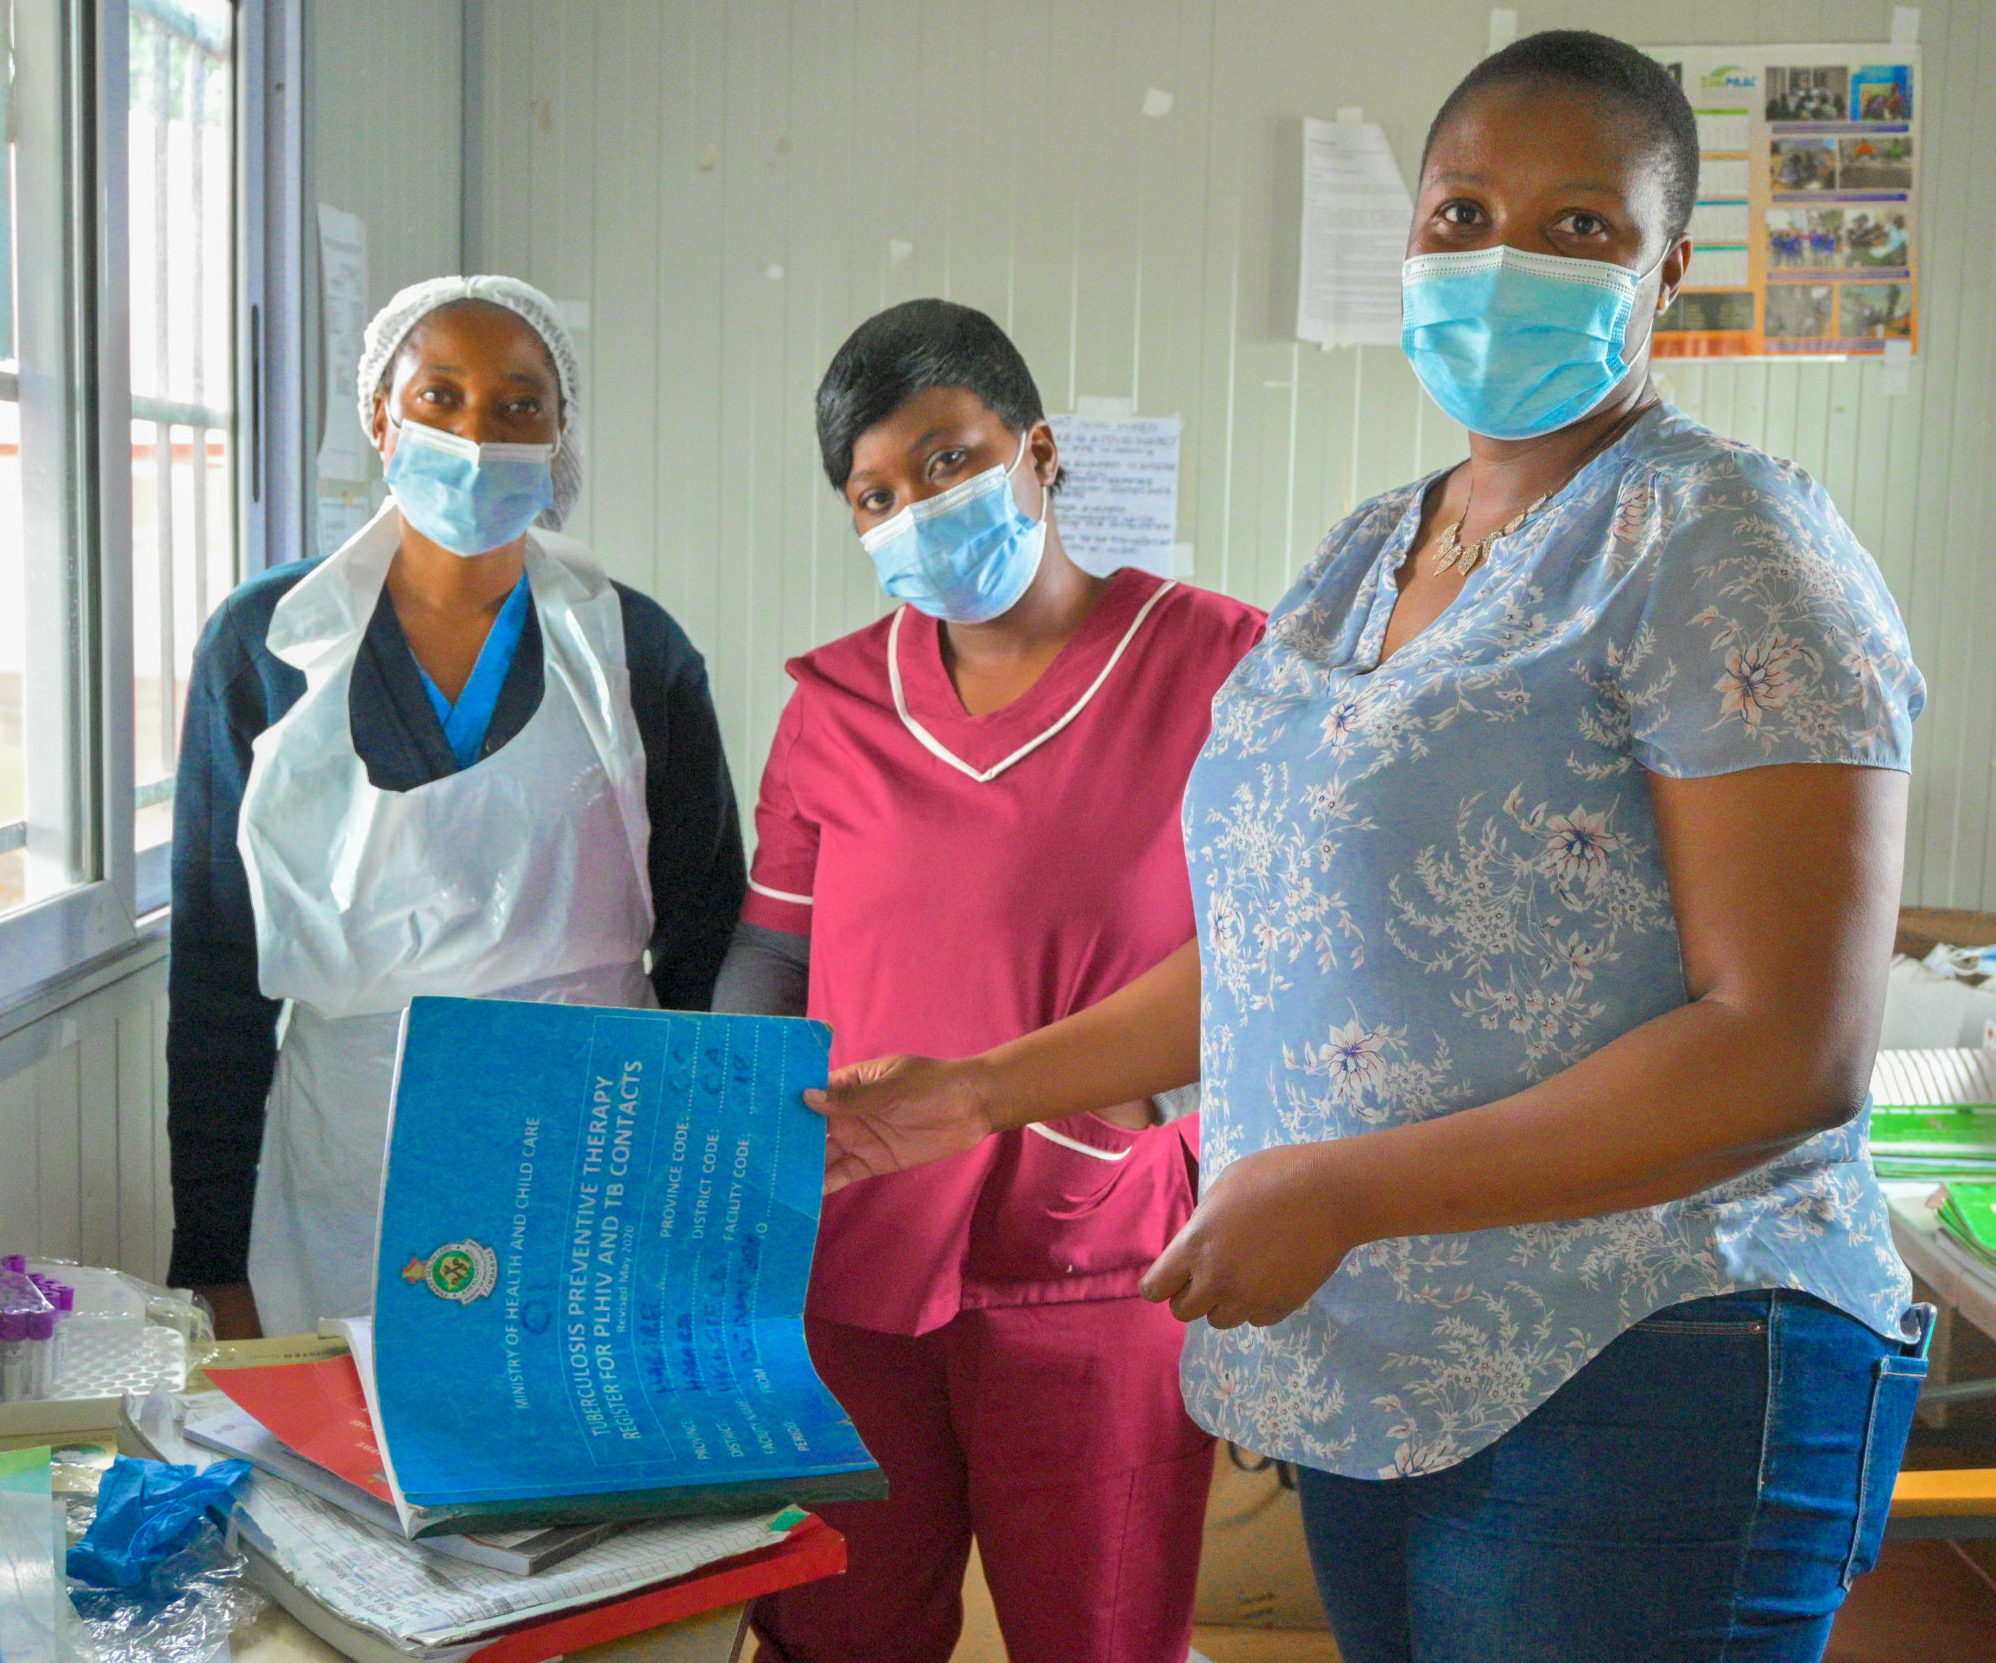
[[1706, 1489]]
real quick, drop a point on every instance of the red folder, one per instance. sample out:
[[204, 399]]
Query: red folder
[[318, 1409], [813, 1549]]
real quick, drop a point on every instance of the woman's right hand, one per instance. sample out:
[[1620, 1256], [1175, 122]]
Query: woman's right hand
[[896, 1112]]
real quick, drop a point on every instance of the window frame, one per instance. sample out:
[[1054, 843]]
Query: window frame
[[119, 907]]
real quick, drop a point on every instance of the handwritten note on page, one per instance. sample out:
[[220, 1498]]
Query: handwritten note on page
[[1120, 504]]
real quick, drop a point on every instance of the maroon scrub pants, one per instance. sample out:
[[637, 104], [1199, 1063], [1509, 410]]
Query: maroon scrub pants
[[1055, 1435]]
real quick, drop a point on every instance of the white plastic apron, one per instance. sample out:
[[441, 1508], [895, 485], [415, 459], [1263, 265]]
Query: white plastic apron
[[524, 876]]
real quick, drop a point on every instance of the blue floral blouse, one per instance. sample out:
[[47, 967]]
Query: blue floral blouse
[[1426, 884]]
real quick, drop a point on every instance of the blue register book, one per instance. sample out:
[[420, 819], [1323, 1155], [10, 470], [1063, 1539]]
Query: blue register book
[[595, 1235]]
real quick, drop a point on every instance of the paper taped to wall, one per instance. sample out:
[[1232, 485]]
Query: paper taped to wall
[[344, 452], [344, 507], [1356, 213], [1119, 506]]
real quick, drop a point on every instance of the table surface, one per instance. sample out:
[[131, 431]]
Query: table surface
[[278, 1637], [1921, 929]]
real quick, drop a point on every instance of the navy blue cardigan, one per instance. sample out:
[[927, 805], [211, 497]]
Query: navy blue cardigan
[[221, 1042]]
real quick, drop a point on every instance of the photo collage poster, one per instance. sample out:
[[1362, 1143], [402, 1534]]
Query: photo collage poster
[[1803, 236]]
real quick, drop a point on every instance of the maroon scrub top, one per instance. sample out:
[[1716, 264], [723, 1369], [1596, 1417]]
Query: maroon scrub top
[[967, 879]]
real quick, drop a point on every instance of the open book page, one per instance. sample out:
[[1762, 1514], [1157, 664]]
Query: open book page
[[358, 1332], [593, 1286]]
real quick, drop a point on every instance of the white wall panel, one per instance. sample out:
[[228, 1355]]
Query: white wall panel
[[385, 124], [732, 185], [83, 1122], [385, 116]]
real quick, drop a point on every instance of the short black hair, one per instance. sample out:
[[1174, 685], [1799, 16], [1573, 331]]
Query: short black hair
[[1615, 73], [906, 350]]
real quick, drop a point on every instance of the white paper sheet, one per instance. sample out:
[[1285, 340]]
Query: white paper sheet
[[1721, 267], [1356, 213], [1723, 129], [1718, 222], [1724, 178], [1120, 504], [344, 452], [343, 509]]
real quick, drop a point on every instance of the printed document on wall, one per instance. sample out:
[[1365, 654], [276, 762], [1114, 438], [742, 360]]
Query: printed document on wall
[[344, 451], [1356, 213], [1806, 232], [1119, 506]]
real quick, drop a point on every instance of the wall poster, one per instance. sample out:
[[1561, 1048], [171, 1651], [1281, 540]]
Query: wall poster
[[1119, 506], [1808, 202]]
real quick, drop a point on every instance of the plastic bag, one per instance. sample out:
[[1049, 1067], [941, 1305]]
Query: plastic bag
[[191, 1625], [154, 1579], [149, 1513], [1973, 965], [1928, 1006], [28, 1593]]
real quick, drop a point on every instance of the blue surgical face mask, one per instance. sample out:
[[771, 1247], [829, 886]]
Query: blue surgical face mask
[[469, 497], [1513, 344], [967, 554]]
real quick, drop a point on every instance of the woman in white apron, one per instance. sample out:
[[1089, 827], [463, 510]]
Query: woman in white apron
[[452, 758]]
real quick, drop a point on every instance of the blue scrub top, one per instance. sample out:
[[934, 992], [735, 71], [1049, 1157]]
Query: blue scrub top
[[466, 722]]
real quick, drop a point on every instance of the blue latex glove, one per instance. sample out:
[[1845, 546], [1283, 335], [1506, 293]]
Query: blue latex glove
[[147, 1511]]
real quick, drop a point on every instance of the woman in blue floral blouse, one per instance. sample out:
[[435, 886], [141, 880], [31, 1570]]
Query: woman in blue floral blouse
[[1547, 856]]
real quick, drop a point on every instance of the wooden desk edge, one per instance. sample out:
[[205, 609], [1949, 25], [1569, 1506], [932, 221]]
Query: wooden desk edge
[[1957, 1492]]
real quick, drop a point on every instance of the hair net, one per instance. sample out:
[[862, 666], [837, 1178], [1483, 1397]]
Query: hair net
[[393, 322]]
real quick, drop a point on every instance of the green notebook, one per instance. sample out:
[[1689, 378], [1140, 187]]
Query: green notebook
[[1918, 1141], [1969, 1215]]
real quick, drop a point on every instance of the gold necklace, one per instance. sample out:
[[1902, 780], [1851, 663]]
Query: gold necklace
[[1449, 552]]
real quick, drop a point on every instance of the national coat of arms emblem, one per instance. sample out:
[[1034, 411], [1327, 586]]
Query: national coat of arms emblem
[[460, 1271]]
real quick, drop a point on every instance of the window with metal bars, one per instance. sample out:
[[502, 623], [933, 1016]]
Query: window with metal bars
[[46, 706], [149, 240], [181, 241]]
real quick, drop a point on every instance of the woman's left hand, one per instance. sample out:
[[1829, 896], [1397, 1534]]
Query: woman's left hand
[[1265, 1237]]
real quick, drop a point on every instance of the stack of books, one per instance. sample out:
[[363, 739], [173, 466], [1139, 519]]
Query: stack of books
[[1933, 1114], [377, 1597], [1968, 1214], [1908, 1142], [585, 1377]]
